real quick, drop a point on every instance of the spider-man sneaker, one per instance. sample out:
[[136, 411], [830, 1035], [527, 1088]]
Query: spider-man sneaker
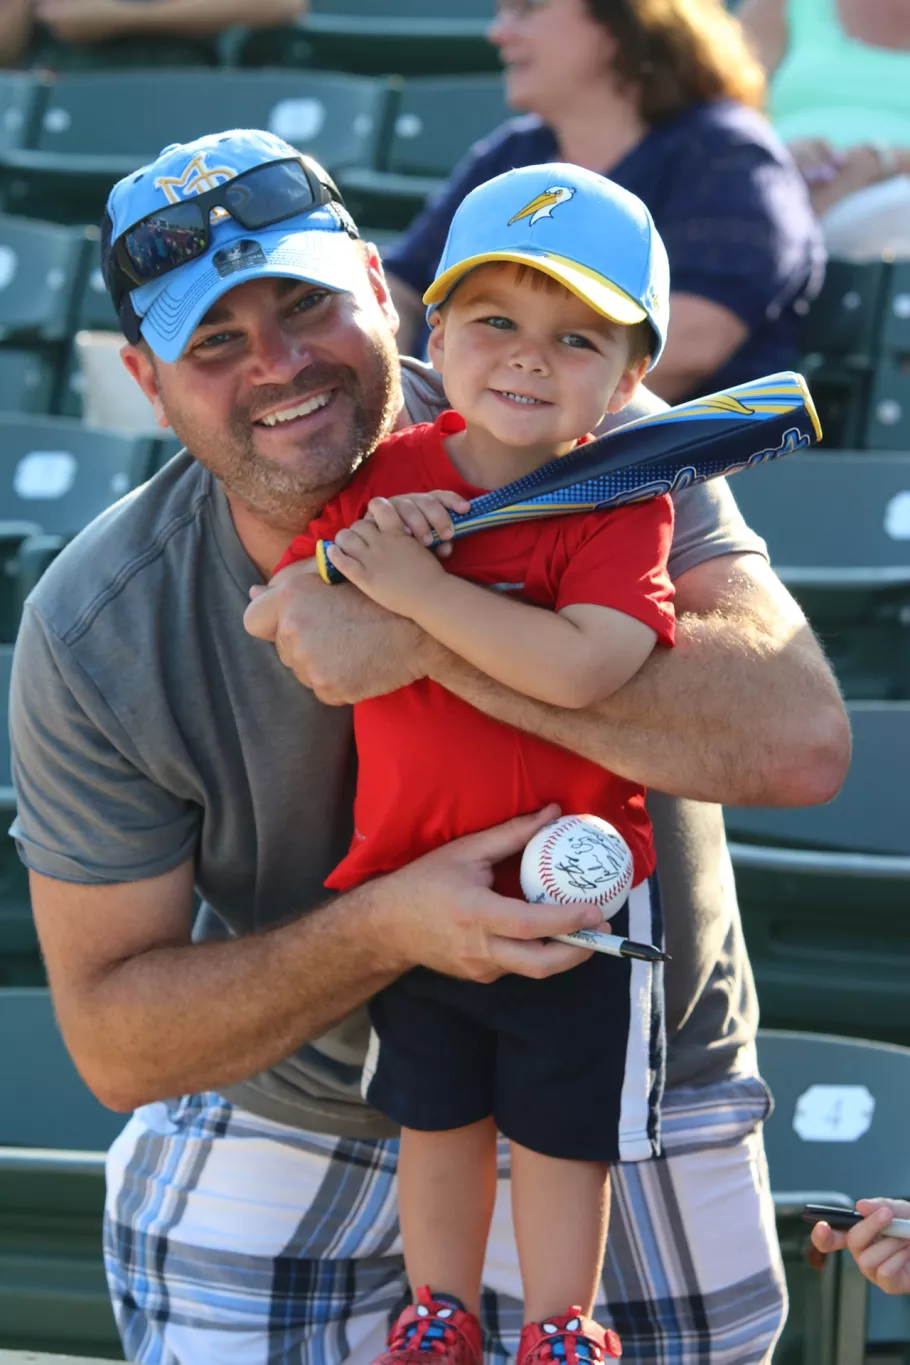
[[437, 1325], [568, 1340]]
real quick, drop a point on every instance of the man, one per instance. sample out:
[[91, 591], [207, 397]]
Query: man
[[158, 747]]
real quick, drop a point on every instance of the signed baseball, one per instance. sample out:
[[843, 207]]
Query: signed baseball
[[577, 858]]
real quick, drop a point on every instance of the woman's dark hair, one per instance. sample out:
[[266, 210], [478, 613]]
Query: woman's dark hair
[[680, 52]]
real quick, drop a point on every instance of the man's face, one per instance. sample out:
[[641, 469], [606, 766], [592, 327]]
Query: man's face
[[283, 389]]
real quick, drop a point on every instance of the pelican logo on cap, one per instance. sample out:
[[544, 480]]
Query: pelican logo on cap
[[543, 205], [238, 256], [196, 179]]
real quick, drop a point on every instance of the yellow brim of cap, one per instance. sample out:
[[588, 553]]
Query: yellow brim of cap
[[593, 289]]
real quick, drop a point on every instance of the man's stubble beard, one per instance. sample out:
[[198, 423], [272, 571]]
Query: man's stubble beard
[[287, 498]]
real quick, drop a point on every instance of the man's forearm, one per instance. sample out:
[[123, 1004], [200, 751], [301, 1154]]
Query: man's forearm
[[742, 711], [189, 1018], [15, 31], [198, 18]]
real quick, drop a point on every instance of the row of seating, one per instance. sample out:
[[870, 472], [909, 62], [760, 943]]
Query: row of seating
[[838, 1106], [64, 141]]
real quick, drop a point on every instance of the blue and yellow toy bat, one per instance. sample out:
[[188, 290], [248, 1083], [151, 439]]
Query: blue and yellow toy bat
[[704, 439]]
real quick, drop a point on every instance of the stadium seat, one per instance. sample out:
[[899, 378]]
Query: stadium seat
[[28, 379], [55, 477], [41, 269], [22, 98], [841, 340], [98, 128], [437, 120], [838, 529], [837, 1132], [888, 415], [20, 960], [53, 1295], [373, 37], [824, 890]]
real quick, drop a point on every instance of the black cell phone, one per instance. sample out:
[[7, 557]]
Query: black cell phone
[[842, 1220]]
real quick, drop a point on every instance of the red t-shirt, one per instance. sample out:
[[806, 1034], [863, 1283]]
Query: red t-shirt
[[432, 768]]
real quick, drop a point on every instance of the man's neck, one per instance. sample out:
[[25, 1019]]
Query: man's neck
[[599, 128]]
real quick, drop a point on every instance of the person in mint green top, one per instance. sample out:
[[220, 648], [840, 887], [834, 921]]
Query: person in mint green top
[[839, 89]]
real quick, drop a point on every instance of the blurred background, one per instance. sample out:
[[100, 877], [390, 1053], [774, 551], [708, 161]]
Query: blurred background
[[772, 145]]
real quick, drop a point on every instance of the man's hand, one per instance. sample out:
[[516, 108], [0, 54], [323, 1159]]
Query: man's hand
[[883, 1260], [382, 558], [335, 640], [441, 912]]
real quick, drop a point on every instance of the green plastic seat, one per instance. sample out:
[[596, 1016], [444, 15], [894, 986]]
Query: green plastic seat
[[22, 96], [824, 892], [837, 1132], [846, 319], [28, 378], [888, 415], [437, 120], [98, 128], [373, 37], [55, 477], [53, 1295], [838, 529], [41, 268]]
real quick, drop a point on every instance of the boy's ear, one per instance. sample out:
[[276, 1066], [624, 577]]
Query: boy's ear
[[436, 341], [625, 389]]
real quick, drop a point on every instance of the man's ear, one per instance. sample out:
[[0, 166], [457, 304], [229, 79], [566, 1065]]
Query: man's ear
[[380, 286], [626, 388], [436, 342], [138, 361]]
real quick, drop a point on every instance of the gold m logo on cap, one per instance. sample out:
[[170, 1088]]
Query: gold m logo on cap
[[544, 204], [196, 179]]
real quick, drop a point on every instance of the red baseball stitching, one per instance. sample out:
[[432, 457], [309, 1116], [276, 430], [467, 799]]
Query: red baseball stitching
[[545, 868]]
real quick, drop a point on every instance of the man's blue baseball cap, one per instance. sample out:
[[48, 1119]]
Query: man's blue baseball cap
[[319, 246], [584, 230]]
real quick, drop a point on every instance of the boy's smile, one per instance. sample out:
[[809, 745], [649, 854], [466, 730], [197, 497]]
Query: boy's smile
[[529, 366]]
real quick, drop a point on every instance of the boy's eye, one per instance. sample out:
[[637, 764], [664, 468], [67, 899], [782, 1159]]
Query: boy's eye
[[580, 342], [503, 324]]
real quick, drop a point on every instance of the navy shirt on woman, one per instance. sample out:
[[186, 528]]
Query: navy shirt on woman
[[727, 199]]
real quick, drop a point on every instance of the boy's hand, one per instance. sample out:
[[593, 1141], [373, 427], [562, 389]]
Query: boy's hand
[[383, 559], [424, 513]]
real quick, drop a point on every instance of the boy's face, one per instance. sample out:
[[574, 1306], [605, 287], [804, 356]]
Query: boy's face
[[526, 360]]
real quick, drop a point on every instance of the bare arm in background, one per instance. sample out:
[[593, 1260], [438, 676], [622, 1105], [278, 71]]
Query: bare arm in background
[[743, 711], [16, 23], [90, 21]]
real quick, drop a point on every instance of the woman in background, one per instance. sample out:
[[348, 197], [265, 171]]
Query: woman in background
[[663, 96]]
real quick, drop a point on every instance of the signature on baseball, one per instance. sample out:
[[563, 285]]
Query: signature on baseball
[[591, 862]]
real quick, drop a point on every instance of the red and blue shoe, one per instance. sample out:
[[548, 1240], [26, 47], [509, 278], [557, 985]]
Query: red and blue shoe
[[568, 1340], [438, 1325]]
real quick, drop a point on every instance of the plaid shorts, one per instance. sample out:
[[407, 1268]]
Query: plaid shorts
[[230, 1238]]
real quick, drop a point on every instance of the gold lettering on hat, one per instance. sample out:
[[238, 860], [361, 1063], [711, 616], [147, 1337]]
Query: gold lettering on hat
[[196, 179], [544, 204]]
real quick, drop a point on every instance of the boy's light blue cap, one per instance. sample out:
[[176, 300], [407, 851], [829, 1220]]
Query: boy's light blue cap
[[315, 246], [584, 230]]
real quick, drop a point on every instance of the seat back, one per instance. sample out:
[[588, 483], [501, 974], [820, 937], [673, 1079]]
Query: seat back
[[841, 1114], [439, 118], [28, 379], [21, 97], [59, 475], [869, 814], [131, 115], [41, 266]]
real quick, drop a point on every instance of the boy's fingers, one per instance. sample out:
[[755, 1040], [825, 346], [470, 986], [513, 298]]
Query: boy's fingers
[[410, 514], [454, 501], [386, 516]]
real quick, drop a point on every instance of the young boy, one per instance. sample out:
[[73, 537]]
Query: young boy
[[549, 304]]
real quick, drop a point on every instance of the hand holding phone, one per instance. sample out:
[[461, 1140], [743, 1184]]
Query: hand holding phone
[[842, 1220]]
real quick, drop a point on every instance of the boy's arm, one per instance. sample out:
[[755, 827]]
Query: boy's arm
[[572, 658]]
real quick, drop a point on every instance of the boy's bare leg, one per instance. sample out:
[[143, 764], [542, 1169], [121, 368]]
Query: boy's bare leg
[[446, 1191], [561, 1210]]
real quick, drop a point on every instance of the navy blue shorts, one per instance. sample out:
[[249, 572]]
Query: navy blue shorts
[[571, 1067]]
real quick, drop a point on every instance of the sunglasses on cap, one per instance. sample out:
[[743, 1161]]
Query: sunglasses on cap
[[176, 234]]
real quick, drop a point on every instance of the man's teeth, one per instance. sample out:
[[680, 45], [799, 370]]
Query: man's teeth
[[519, 397], [303, 410]]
